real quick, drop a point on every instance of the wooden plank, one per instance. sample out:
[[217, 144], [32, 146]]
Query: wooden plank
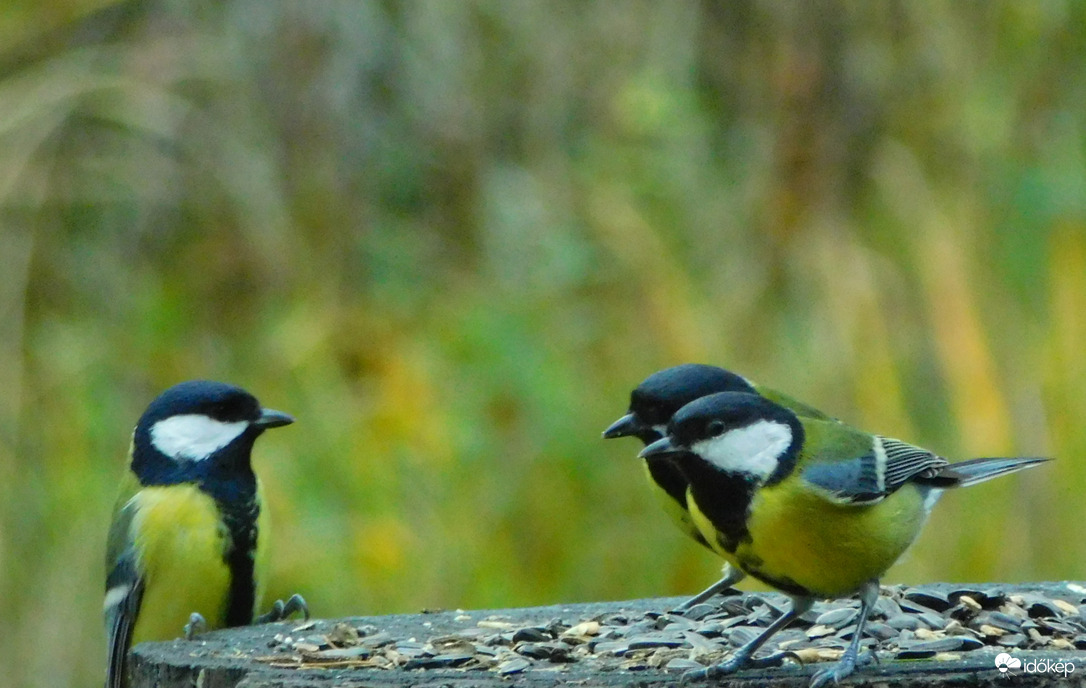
[[452, 647]]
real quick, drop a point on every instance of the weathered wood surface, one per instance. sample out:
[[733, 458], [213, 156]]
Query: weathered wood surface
[[248, 657]]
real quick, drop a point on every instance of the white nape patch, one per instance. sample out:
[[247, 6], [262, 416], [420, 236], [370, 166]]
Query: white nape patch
[[194, 436], [116, 595], [662, 429], [755, 449]]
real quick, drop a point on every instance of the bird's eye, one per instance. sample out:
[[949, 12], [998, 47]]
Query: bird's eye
[[715, 428]]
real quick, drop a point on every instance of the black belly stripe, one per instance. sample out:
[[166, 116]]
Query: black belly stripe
[[240, 520], [782, 583]]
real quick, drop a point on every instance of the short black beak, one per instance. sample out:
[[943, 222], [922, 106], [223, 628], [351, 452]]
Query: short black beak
[[623, 427], [270, 418], [659, 449]]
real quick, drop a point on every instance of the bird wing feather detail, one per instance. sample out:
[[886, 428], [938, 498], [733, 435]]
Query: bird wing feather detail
[[855, 473], [124, 593], [905, 462]]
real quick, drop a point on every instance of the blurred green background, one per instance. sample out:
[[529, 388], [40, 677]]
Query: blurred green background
[[450, 237]]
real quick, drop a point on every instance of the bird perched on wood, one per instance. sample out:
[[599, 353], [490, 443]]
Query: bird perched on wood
[[814, 508], [187, 547], [652, 403]]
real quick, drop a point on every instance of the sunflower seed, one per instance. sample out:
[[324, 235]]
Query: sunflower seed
[[1040, 608], [1012, 640], [341, 653], [697, 612], [1056, 627], [915, 607], [530, 634], [886, 607], [444, 661], [741, 635], [613, 647], [837, 618], [986, 598], [880, 631], [552, 651], [513, 666], [583, 629], [674, 622], [937, 645], [1001, 620], [903, 622], [377, 639], [820, 631], [929, 598], [652, 640], [682, 664], [733, 607]]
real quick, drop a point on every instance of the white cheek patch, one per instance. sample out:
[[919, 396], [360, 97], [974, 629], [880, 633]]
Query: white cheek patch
[[753, 450], [194, 436]]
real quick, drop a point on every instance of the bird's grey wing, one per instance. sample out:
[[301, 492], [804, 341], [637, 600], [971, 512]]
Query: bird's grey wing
[[852, 481], [869, 476], [124, 592]]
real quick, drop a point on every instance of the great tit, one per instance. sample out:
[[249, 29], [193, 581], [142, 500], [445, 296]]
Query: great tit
[[814, 508], [187, 547], [652, 403]]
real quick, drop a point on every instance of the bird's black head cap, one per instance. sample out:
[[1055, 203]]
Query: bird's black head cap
[[218, 400], [716, 414], [663, 393], [202, 432]]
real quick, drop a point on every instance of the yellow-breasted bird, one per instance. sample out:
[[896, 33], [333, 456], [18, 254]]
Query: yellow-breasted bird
[[187, 546], [652, 403], [814, 508]]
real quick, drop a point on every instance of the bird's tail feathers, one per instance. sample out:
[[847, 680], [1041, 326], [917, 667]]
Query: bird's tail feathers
[[973, 471]]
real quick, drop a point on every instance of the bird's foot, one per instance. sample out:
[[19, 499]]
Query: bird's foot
[[734, 664], [848, 663], [280, 610], [196, 624]]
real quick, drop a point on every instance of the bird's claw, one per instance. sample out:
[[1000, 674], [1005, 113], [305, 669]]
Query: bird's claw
[[734, 664], [196, 624], [280, 610], [845, 667]]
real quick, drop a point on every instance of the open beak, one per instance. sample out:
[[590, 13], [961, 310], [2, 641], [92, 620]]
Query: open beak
[[270, 418], [623, 427], [659, 449]]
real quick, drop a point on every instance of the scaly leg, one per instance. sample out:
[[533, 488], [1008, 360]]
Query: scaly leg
[[869, 593], [730, 576]]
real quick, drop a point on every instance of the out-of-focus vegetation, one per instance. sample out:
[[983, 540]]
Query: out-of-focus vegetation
[[451, 236]]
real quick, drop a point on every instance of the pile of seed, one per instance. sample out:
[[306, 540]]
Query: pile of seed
[[907, 623]]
